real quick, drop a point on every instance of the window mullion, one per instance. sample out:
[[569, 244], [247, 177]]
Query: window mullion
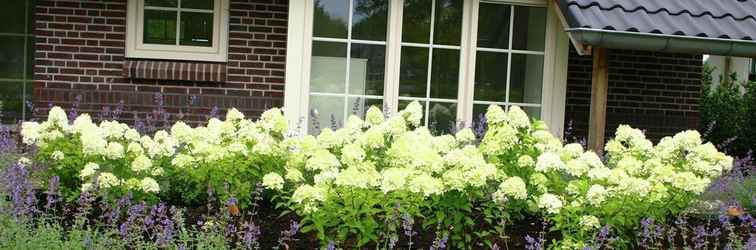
[[348, 60], [467, 63], [509, 54], [430, 62], [393, 56], [178, 23]]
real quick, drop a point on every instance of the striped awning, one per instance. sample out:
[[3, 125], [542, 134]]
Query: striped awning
[[175, 71]]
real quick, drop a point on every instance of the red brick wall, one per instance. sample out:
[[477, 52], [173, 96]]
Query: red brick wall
[[79, 54], [657, 92]]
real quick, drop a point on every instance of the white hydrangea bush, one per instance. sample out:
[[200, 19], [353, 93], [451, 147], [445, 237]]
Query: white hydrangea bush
[[576, 189], [642, 180], [372, 168], [228, 156], [109, 156]]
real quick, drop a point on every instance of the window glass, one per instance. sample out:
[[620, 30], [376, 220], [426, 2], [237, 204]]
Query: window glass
[[16, 60], [348, 61], [196, 29], [160, 27], [331, 18], [430, 57], [12, 15], [509, 68], [493, 26], [370, 20], [194, 19], [161, 3], [529, 28], [416, 21], [197, 4]]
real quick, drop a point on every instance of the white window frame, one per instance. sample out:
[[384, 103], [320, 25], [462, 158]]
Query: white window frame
[[556, 50], [136, 48]]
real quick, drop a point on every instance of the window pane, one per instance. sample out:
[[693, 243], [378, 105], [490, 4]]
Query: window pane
[[358, 106], [413, 73], [161, 3], [448, 23], [366, 71], [370, 19], [331, 17], [445, 74], [533, 112], [197, 4], [12, 16], [443, 117], [493, 26], [11, 96], [29, 58], [529, 28], [12, 57], [325, 112], [328, 70], [526, 80], [196, 29], [159, 27], [491, 76], [416, 21]]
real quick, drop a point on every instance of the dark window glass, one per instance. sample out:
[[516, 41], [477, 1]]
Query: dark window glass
[[12, 16], [16, 59], [331, 17], [445, 74], [197, 4], [12, 57], [448, 23], [369, 21], [416, 21], [162, 3], [196, 29], [493, 26], [526, 80], [529, 28], [491, 76], [160, 27], [413, 72]]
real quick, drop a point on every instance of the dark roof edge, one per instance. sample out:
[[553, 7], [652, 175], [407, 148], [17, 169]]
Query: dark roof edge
[[662, 42]]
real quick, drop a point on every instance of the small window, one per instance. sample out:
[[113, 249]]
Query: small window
[[193, 30], [752, 76]]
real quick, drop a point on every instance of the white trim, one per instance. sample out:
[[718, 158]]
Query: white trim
[[555, 73], [556, 50], [298, 56], [135, 48], [393, 56]]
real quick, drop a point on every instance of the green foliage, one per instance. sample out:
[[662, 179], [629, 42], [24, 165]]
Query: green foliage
[[727, 112]]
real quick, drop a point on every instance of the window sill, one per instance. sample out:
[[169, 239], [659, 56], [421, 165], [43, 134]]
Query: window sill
[[175, 70]]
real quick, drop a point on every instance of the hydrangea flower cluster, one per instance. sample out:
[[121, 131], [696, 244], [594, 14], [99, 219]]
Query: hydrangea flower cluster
[[110, 152]]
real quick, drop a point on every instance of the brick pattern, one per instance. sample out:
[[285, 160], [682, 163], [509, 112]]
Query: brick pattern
[[176, 71], [657, 92], [79, 58]]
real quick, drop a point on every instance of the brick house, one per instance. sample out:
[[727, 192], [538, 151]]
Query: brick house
[[585, 64]]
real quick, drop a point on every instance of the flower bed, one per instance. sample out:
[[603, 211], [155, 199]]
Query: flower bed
[[376, 182]]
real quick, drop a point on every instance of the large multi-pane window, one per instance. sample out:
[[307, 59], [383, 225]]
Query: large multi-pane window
[[509, 57], [430, 56], [178, 29], [16, 58], [455, 57], [348, 58]]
